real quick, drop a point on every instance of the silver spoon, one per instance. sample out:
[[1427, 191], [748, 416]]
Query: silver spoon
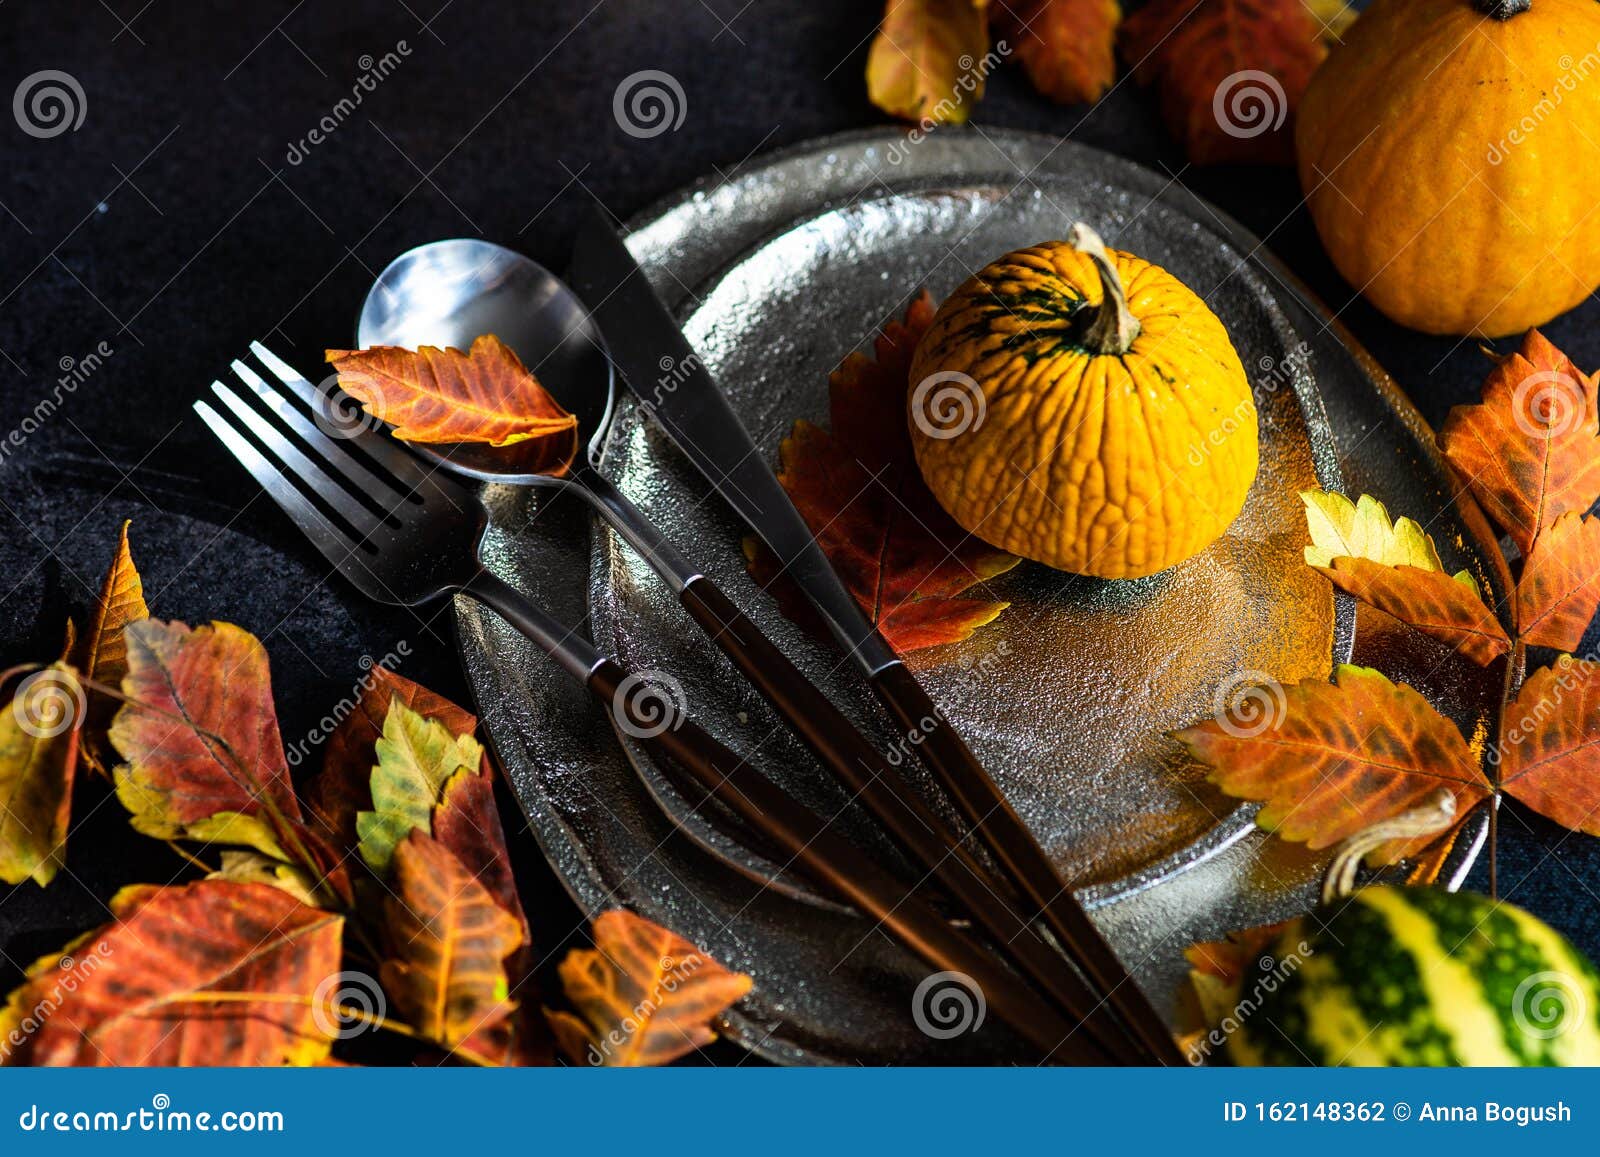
[[449, 292]]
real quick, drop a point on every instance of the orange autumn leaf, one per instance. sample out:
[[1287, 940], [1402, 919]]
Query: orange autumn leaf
[[1528, 452], [1550, 737], [1436, 603], [200, 737], [644, 995], [444, 395], [924, 63], [451, 940], [908, 564], [104, 655], [1328, 760], [1560, 584], [1067, 47], [135, 992], [1229, 73]]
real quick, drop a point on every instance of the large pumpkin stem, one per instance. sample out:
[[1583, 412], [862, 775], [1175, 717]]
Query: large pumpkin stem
[[1111, 326], [1502, 9]]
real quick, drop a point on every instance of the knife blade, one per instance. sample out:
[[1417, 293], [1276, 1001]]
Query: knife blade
[[660, 368]]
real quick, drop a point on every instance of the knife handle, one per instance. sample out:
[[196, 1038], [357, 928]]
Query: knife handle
[[836, 864], [1014, 848], [867, 776]]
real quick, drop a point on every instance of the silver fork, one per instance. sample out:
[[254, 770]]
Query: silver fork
[[406, 533]]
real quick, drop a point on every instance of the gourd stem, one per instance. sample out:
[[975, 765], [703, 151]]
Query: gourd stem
[[1434, 816], [1111, 327], [1502, 9]]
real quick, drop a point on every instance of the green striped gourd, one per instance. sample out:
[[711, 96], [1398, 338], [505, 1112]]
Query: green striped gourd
[[1421, 976]]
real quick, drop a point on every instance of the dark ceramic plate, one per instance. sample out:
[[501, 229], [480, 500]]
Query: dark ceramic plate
[[792, 263]]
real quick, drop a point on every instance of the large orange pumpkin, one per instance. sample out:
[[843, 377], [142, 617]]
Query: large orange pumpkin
[[1447, 151], [1083, 408]]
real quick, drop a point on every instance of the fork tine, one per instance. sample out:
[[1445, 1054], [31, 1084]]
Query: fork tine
[[405, 466], [334, 544], [298, 463], [333, 448]]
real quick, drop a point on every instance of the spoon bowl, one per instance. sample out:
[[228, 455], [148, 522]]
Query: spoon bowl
[[447, 293]]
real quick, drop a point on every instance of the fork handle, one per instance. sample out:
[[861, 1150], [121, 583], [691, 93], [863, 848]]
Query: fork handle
[[642, 711], [869, 776]]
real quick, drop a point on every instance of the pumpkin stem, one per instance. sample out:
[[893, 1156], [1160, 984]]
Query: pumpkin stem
[[1111, 327], [1502, 9]]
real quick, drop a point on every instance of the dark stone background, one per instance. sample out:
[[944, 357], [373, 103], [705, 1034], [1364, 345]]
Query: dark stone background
[[171, 227]]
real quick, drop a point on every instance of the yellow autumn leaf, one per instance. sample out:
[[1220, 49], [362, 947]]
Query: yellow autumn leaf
[[1362, 529], [924, 64]]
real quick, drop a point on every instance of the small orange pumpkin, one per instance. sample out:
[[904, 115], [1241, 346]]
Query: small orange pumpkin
[[1445, 150], [1083, 408]]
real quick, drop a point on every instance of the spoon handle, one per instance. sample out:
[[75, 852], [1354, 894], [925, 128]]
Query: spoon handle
[[806, 839]]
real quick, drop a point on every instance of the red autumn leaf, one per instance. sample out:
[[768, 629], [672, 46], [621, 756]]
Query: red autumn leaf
[[908, 564], [1328, 760], [1560, 584], [1067, 47], [645, 996], [1550, 737], [1439, 604], [1230, 73], [170, 981], [1528, 452], [451, 940], [445, 395], [200, 736]]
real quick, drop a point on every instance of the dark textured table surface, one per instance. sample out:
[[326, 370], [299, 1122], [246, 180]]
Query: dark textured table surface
[[189, 213]]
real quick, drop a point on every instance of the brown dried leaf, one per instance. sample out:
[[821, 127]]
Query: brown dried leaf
[[1067, 47], [1550, 737]]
